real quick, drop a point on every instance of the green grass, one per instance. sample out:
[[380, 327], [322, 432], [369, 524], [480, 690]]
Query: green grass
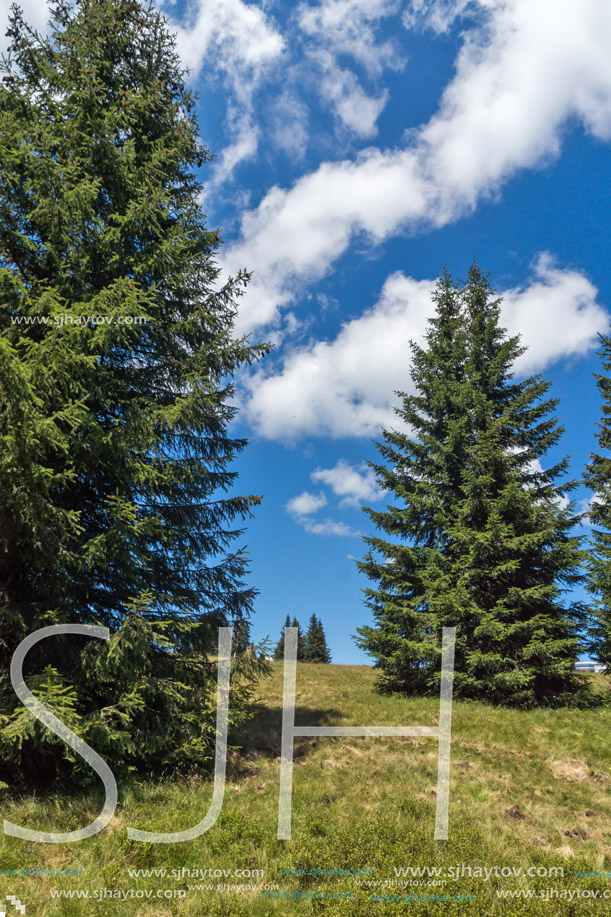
[[527, 789]]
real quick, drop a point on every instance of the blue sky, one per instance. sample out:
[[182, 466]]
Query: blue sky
[[361, 145]]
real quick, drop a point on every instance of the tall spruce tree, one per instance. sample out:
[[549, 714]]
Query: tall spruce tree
[[598, 478], [483, 534], [279, 651], [316, 648], [116, 344]]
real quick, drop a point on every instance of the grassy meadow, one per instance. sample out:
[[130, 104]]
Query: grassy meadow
[[529, 791]]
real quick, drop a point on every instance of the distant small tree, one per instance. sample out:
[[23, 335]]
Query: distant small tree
[[279, 651], [241, 636], [598, 477], [301, 643], [316, 648]]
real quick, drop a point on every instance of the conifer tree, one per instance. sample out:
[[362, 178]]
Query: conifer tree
[[116, 347], [301, 644], [316, 649], [310, 639], [598, 478], [324, 652], [241, 637], [279, 651], [482, 536]]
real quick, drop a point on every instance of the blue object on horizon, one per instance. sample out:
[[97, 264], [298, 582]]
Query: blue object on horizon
[[589, 666]]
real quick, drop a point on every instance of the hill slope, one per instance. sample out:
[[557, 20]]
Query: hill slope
[[530, 791]]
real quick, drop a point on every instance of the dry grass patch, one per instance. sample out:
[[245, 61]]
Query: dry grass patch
[[571, 771]]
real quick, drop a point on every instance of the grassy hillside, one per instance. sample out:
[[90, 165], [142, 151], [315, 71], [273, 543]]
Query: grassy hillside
[[529, 791]]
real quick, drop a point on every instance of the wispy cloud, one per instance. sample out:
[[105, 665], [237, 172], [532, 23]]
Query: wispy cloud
[[239, 43], [305, 505], [342, 90], [355, 484], [348, 29], [288, 125], [330, 527], [523, 72]]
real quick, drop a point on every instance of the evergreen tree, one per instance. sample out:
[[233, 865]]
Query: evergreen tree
[[598, 478], [310, 639], [116, 344], [279, 651], [324, 653], [241, 637], [301, 644], [316, 649], [483, 538]]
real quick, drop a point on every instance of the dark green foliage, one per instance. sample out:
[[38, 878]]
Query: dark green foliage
[[114, 452], [142, 698], [241, 637], [481, 535], [301, 644], [279, 651], [598, 478], [316, 649]]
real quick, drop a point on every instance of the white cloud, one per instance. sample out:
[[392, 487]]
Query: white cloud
[[349, 27], [556, 314], [355, 484], [330, 527], [288, 125], [303, 508], [346, 387], [438, 15], [342, 90], [584, 506], [228, 35], [237, 41], [306, 503], [244, 147], [524, 71], [299, 233]]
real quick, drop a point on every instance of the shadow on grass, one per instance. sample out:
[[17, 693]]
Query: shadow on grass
[[262, 736]]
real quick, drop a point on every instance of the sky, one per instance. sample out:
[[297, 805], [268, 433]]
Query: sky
[[361, 146]]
